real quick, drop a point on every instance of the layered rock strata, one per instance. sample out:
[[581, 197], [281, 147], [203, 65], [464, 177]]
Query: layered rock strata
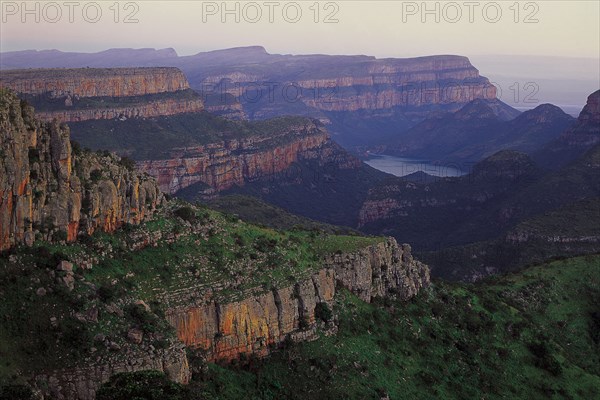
[[256, 324], [48, 191]]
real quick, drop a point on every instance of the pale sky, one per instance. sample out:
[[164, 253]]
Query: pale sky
[[379, 28]]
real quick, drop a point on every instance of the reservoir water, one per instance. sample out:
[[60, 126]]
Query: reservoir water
[[405, 166]]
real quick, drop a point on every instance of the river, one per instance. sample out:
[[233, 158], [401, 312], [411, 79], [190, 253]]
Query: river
[[405, 166]]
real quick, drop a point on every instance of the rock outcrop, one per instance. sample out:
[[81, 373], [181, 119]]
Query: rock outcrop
[[110, 93], [224, 164], [48, 190], [94, 82], [586, 131], [574, 142], [367, 83], [256, 324], [83, 382], [143, 110]]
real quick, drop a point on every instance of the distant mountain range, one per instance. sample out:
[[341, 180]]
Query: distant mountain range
[[478, 130], [507, 212], [363, 100]]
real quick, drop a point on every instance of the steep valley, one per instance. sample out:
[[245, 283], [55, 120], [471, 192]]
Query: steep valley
[[146, 285], [179, 258]]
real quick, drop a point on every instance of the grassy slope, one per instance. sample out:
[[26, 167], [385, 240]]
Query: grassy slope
[[255, 211], [217, 251], [529, 335]]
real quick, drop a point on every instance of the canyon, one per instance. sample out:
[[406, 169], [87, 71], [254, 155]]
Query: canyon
[[391, 94], [54, 193], [222, 165]]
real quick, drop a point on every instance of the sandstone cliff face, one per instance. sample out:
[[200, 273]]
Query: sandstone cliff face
[[254, 325], [150, 109], [48, 87], [369, 84], [94, 82], [234, 162], [47, 191]]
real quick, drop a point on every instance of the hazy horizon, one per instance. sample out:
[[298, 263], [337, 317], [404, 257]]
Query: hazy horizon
[[553, 44], [378, 28]]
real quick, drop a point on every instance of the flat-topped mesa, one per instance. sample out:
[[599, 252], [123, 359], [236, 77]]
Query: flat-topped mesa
[[49, 190], [94, 82], [81, 94], [332, 83], [256, 324]]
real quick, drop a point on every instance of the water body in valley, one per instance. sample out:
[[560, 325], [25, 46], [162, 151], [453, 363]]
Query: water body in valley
[[399, 166]]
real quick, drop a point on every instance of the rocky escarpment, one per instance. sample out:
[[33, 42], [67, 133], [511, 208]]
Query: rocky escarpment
[[222, 165], [150, 109], [256, 324], [94, 82], [49, 191], [82, 383], [393, 94], [93, 93], [367, 83]]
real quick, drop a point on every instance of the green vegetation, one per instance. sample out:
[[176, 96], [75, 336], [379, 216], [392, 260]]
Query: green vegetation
[[145, 385], [523, 336], [256, 211], [154, 138], [185, 251], [46, 102]]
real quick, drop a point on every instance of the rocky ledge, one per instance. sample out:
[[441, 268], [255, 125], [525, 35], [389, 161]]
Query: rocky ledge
[[257, 324]]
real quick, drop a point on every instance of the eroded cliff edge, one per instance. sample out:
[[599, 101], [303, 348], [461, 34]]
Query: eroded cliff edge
[[257, 324], [49, 192], [227, 288], [83, 94]]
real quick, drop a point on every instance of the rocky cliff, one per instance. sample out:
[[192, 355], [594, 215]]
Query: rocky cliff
[[94, 82], [142, 110], [574, 142], [255, 325], [391, 94], [83, 382], [366, 83], [221, 165], [47, 190], [94, 93]]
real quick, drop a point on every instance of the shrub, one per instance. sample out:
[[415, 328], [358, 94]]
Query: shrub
[[147, 321], [147, 385], [186, 213], [128, 163], [75, 147], [107, 293], [323, 312], [95, 175], [543, 358]]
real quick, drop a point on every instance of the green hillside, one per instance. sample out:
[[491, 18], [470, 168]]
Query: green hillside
[[531, 335], [45, 324]]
